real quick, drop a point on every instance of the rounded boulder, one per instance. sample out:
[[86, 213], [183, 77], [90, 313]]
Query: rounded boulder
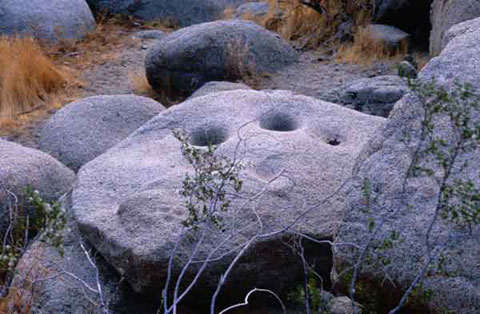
[[230, 50], [51, 20], [22, 168], [86, 128]]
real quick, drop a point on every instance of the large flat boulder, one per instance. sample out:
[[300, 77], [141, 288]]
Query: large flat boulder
[[86, 128], [51, 20], [446, 14], [230, 50], [182, 12], [127, 200], [408, 207], [22, 167]]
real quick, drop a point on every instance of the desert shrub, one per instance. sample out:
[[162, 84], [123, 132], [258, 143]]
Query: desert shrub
[[27, 76]]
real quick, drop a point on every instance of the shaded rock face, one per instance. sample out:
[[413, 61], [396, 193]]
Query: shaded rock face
[[223, 50], [127, 200], [47, 288], [384, 164], [51, 20], [410, 16], [84, 129], [446, 14], [213, 87], [22, 167], [182, 12], [375, 96]]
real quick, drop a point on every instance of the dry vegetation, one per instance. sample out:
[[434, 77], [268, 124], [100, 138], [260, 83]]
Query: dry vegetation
[[312, 28], [27, 76], [298, 21], [365, 49], [36, 77]]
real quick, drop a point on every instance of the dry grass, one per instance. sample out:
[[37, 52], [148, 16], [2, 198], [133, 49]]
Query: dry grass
[[299, 22], [54, 71], [27, 77], [365, 50], [139, 82]]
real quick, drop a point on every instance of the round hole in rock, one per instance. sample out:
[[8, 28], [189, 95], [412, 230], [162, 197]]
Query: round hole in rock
[[334, 142], [280, 122], [208, 136]]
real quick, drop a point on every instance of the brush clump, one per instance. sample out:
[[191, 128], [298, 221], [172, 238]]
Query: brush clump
[[27, 76]]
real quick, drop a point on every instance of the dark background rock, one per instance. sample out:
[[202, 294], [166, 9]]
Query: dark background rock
[[229, 50], [411, 16], [50, 20], [183, 12]]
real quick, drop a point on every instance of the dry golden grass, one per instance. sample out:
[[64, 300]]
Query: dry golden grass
[[54, 71], [309, 27], [27, 77], [139, 82], [365, 50]]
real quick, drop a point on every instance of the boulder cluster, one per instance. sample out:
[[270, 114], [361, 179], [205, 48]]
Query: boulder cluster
[[119, 165]]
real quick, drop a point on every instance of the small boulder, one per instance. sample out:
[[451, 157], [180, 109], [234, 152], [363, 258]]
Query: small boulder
[[375, 96], [213, 87], [51, 20], [84, 129], [223, 50], [392, 37], [342, 305], [22, 167], [407, 70], [252, 9], [150, 34]]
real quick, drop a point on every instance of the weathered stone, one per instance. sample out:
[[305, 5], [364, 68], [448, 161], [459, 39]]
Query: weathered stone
[[407, 70], [375, 96], [213, 87], [408, 206], [51, 20], [150, 34], [182, 12], [22, 167], [223, 50], [84, 129], [51, 283], [252, 9], [127, 200], [342, 305], [391, 36], [446, 14]]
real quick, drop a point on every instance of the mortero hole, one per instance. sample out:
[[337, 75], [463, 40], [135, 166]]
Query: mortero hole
[[208, 136], [334, 142], [279, 122]]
